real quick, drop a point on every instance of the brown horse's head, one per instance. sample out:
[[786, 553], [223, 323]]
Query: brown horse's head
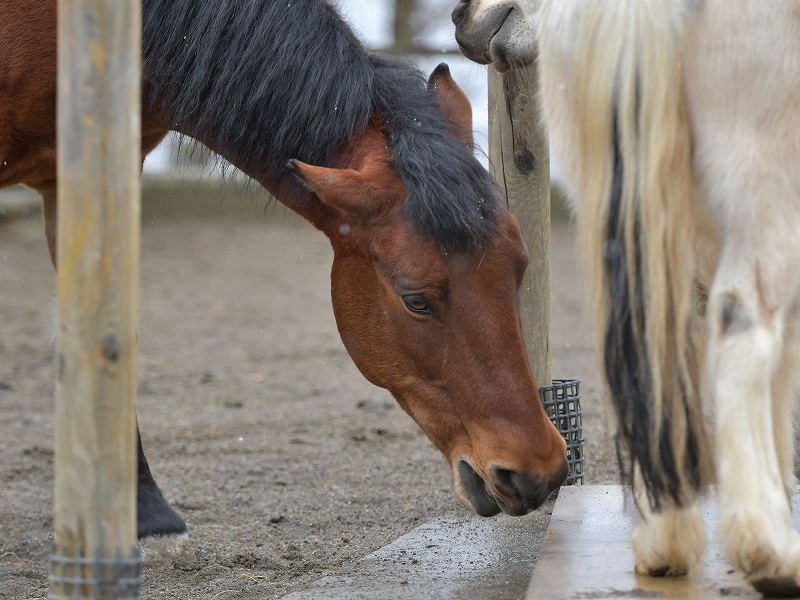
[[439, 329]]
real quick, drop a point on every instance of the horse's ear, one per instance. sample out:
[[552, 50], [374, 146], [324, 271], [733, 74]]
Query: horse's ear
[[454, 104], [353, 193]]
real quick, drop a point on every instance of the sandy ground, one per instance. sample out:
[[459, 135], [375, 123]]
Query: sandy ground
[[284, 461]]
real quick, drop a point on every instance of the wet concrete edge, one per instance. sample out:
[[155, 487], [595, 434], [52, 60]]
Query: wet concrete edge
[[458, 556]]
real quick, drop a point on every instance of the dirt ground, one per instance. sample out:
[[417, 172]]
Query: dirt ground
[[284, 461]]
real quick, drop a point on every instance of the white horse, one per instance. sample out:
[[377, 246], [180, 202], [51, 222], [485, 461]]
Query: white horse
[[678, 125]]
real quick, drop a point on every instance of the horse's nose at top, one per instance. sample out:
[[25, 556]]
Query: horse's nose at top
[[472, 36], [530, 491], [459, 12]]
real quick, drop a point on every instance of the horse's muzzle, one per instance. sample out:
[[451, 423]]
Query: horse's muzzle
[[502, 34], [473, 37], [508, 491]]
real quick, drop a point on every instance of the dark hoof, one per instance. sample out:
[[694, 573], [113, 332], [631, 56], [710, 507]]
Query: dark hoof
[[777, 588], [154, 516]]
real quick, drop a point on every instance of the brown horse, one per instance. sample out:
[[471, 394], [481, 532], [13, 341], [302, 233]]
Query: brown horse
[[427, 260]]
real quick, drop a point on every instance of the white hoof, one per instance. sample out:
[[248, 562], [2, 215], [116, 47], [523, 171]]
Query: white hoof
[[767, 555], [670, 542]]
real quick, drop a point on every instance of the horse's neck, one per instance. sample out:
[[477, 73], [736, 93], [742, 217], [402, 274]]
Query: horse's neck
[[260, 86], [284, 188]]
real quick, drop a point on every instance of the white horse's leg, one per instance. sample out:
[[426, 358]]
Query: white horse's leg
[[668, 542], [745, 127], [749, 304], [784, 401]]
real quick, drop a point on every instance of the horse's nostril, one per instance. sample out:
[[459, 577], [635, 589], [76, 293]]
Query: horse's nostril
[[504, 481], [528, 490], [521, 486], [459, 12]]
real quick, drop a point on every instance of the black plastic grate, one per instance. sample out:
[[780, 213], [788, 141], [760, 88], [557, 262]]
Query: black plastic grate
[[562, 403]]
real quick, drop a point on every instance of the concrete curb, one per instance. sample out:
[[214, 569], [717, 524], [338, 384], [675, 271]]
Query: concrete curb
[[587, 553], [451, 557]]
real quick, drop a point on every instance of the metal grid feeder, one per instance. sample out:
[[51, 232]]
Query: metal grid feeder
[[562, 403]]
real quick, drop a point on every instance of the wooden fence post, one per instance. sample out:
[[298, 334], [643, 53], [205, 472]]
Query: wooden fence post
[[98, 90], [519, 159]]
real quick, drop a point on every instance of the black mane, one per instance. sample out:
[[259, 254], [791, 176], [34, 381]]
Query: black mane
[[264, 81]]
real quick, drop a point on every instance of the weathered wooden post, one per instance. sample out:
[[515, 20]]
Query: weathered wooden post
[[519, 158], [95, 553]]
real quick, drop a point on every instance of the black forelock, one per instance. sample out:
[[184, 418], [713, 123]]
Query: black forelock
[[449, 195], [265, 81]]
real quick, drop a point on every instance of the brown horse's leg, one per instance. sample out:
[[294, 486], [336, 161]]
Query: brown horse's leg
[[50, 209], [154, 515]]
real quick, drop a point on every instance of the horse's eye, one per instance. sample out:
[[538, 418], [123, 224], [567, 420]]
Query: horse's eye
[[419, 305]]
